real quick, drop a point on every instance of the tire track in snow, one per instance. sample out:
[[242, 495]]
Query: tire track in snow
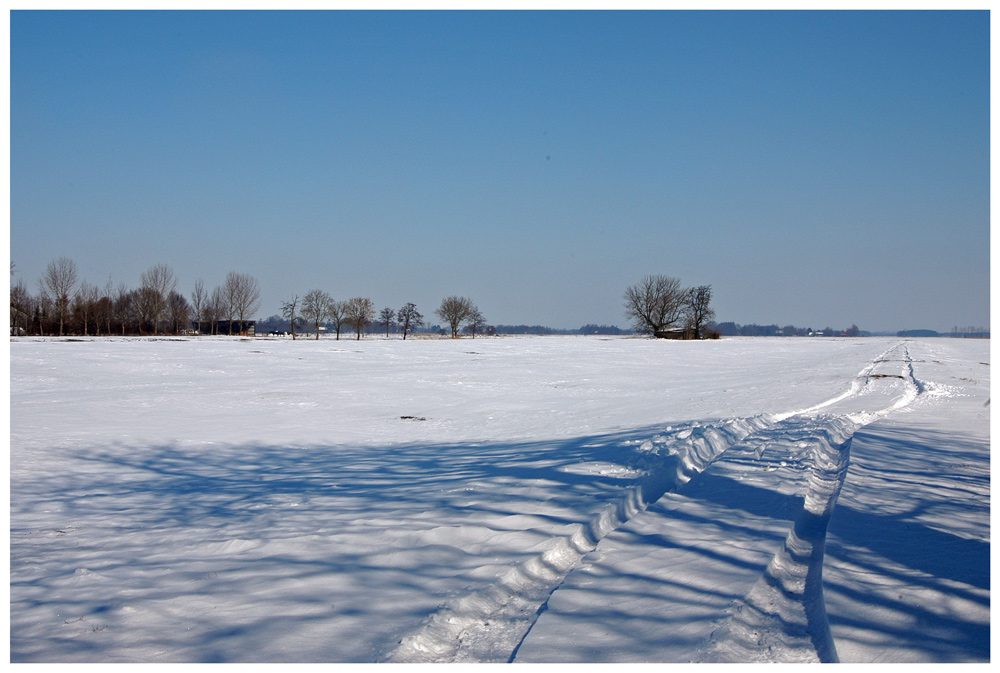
[[490, 624], [783, 617]]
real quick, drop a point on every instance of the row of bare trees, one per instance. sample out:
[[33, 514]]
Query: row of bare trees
[[317, 309], [67, 305], [658, 305]]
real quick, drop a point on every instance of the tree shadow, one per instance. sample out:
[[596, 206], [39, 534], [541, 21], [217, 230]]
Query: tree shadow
[[208, 552], [893, 544], [917, 517], [204, 552]]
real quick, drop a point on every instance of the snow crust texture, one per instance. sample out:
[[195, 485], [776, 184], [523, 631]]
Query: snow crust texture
[[501, 500]]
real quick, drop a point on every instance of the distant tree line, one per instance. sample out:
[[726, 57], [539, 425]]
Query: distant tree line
[[543, 330], [318, 312], [970, 332], [67, 305], [733, 329], [915, 333]]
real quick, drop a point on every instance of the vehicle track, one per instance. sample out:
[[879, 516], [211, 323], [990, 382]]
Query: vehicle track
[[489, 625], [782, 618]]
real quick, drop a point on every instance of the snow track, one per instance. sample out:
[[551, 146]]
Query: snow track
[[781, 618], [489, 625]]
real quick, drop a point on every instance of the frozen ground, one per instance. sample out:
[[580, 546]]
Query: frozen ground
[[556, 499]]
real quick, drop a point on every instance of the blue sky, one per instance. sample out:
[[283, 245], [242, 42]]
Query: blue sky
[[815, 168]]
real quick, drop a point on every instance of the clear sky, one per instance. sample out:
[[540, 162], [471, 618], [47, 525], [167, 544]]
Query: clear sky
[[815, 168]]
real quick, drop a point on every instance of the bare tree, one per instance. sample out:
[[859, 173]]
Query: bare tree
[[360, 311], [85, 304], [316, 308], [242, 293], [230, 290], [475, 322], [148, 306], [179, 311], [455, 311], [121, 306], [105, 308], [217, 308], [198, 300], [288, 309], [247, 298], [44, 310], [156, 284], [654, 304], [697, 309], [386, 317], [409, 318], [57, 285], [21, 307], [338, 315]]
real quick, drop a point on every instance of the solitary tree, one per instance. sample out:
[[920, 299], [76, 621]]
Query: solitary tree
[[57, 284], [654, 304], [316, 308], [409, 318], [385, 317], [697, 309], [455, 311], [359, 312], [288, 312]]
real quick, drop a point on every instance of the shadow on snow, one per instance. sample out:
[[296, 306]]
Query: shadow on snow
[[331, 553]]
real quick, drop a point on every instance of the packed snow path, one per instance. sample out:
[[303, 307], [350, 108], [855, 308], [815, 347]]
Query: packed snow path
[[498, 500]]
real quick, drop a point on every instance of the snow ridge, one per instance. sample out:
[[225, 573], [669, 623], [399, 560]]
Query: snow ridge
[[489, 625], [783, 617]]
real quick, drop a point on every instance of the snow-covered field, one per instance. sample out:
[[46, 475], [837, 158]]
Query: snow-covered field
[[550, 499]]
